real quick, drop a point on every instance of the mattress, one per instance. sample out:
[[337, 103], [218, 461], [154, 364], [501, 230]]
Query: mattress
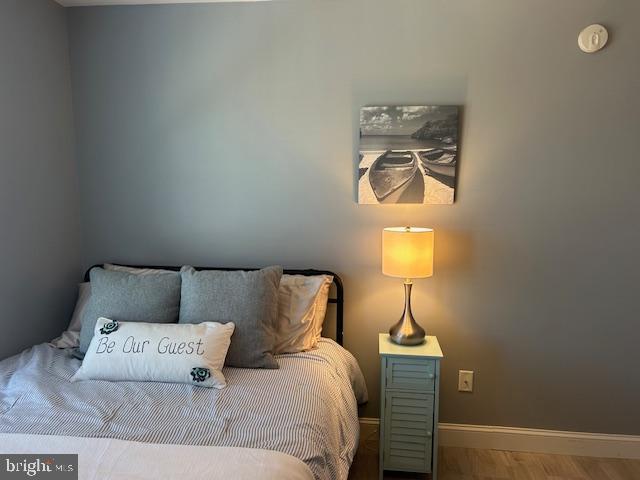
[[307, 408]]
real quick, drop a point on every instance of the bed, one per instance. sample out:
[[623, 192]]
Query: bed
[[299, 421]]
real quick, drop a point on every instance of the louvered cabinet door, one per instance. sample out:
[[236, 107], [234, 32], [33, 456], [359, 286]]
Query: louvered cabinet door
[[408, 426], [410, 374]]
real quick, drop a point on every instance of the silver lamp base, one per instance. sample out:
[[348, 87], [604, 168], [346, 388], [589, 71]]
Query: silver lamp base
[[407, 331]]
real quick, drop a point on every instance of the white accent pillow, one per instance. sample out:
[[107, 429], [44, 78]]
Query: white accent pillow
[[70, 338], [322, 299], [157, 352], [302, 306], [137, 271]]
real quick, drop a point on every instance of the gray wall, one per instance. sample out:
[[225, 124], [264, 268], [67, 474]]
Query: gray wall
[[227, 135], [39, 236]]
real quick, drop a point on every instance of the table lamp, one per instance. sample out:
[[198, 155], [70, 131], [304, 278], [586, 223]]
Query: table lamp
[[407, 252]]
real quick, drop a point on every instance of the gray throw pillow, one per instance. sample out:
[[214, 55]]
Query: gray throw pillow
[[128, 297], [249, 299]]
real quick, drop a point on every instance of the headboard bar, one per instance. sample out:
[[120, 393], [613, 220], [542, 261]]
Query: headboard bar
[[338, 299]]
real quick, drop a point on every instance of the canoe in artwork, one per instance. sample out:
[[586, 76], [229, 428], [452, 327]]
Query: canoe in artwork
[[391, 174], [439, 161]]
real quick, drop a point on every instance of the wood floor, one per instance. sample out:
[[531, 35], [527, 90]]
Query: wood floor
[[473, 464]]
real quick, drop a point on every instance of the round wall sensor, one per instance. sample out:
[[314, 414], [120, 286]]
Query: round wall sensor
[[593, 38]]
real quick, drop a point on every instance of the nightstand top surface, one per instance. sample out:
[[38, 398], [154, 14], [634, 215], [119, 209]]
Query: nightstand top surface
[[429, 349]]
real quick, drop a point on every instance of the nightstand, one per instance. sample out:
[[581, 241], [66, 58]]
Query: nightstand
[[409, 379]]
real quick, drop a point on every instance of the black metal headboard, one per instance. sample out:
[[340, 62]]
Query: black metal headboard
[[337, 299]]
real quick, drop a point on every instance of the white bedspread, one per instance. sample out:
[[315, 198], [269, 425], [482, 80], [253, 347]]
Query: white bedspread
[[109, 459]]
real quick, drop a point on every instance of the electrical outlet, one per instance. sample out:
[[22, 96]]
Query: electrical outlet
[[465, 381]]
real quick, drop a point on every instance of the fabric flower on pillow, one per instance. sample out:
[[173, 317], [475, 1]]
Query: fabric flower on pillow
[[108, 328], [199, 374]]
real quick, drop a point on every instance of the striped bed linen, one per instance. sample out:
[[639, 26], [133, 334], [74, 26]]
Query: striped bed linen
[[307, 408]]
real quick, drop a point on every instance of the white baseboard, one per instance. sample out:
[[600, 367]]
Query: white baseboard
[[535, 440], [369, 421]]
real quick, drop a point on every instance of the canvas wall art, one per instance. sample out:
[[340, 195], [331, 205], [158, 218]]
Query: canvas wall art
[[408, 154]]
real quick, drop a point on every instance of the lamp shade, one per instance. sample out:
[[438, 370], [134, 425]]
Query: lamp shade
[[407, 252]]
